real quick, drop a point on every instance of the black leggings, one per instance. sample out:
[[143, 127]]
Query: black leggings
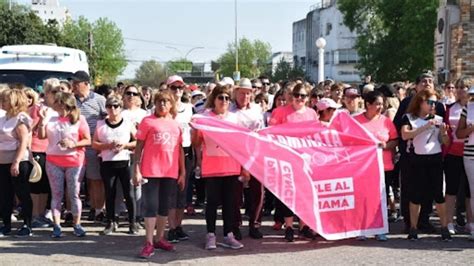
[[220, 190], [110, 177], [19, 186], [426, 178], [156, 196]]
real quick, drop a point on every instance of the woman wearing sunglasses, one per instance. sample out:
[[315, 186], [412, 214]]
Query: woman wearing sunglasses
[[425, 133], [114, 139], [297, 111], [219, 170]]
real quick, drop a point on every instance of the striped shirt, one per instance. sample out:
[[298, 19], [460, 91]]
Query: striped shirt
[[468, 145], [93, 109]]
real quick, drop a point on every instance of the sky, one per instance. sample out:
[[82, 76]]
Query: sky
[[164, 30]]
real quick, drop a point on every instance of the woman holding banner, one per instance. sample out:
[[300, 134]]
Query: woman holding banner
[[425, 133], [220, 171], [297, 111], [383, 129]]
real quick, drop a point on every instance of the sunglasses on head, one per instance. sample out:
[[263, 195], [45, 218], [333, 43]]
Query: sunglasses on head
[[174, 88], [131, 93], [300, 95], [223, 98], [431, 102], [115, 106]]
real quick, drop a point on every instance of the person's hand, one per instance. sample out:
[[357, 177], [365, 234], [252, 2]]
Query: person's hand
[[137, 179], [443, 128], [67, 143], [383, 145], [181, 182], [470, 127], [245, 175], [15, 169], [42, 113]]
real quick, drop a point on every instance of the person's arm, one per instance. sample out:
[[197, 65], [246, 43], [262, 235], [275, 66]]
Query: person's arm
[[196, 138], [98, 145], [443, 134], [464, 130], [23, 137], [391, 144], [182, 170], [408, 133], [137, 177], [41, 125]]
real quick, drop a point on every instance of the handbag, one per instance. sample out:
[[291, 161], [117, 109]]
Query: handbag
[[36, 171]]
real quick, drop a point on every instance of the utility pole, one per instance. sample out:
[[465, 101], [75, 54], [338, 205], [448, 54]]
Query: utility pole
[[236, 73]]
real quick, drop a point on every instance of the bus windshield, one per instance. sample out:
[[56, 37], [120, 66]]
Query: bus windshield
[[31, 78]]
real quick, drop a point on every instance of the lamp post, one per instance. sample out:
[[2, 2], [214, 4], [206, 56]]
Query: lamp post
[[320, 43], [186, 55]]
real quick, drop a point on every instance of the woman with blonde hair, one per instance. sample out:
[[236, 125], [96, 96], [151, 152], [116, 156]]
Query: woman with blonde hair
[[67, 135], [15, 128]]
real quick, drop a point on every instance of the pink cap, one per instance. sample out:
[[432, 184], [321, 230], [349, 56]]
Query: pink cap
[[174, 79], [326, 103]]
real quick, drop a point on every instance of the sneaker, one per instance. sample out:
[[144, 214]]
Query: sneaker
[[393, 217], [110, 228], [91, 216], [37, 223], [460, 219], [5, 231], [56, 232], [210, 241], [48, 214], [79, 231], [361, 238], [68, 219], [413, 234], [181, 234], [13, 218], [277, 226], [147, 251], [133, 229], [46, 220], [164, 245], [451, 229], [231, 242], [24, 231], [237, 234], [289, 234], [307, 232], [255, 233], [172, 236], [381, 237], [445, 235]]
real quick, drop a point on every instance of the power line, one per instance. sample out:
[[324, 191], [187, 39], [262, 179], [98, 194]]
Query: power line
[[170, 43]]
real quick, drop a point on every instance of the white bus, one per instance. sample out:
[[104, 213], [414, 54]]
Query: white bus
[[32, 64]]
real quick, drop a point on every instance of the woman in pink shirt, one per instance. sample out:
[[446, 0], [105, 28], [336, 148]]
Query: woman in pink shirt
[[67, 136], [297, 111], [220, 171], [383, 129], [159, 157]]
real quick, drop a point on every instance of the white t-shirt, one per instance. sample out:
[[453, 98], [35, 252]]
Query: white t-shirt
[[185, 113], [135, 115], [427, 142], [120, 134], [251, 118], [8, 138]]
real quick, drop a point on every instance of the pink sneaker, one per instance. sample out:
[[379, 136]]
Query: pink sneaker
[[164, 245], [147, 251]]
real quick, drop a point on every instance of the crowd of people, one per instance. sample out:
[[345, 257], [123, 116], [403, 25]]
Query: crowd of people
[[88, 141]]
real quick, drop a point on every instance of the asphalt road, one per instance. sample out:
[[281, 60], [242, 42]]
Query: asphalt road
[[121, 248]]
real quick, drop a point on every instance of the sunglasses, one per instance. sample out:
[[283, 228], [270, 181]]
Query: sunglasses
[[223, 98], [115, 106], [131, 93], [174, 88], [265, 84], [53, 91], [300, 95], [431, 102]]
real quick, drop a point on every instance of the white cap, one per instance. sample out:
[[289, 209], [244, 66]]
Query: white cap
[[196, 93], [326, 103], [227, 81]]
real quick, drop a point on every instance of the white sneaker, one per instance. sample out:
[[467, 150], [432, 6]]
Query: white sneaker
[[48, 214], [211, 241], [13, 218], [451, 229], [231, 242]]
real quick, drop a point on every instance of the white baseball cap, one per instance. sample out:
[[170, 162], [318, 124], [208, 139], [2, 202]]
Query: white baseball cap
[[326, 103]]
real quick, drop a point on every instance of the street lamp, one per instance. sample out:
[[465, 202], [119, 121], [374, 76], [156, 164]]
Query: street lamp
[[185, 58], [320, 43]]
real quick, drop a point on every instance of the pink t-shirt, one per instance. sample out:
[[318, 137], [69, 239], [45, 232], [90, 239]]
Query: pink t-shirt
[[287, 114], [162, 144], [59, 128], [384, 130], [215, 161], [37, 144]]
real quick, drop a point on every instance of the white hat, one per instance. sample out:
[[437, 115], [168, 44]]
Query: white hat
[[245, 83], [197, 93], [326, 103], [227, 81]]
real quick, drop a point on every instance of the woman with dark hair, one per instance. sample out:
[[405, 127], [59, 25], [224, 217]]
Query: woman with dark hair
[[425, 133], [67, 135], [220, 171], [383, 129]]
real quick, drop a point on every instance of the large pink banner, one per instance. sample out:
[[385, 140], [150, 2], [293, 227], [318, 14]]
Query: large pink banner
[[330, 176]]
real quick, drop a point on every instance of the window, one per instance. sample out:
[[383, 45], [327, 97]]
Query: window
[[347, 56], [328, 28]]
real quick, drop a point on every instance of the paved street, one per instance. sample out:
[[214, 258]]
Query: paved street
[[121, 248]]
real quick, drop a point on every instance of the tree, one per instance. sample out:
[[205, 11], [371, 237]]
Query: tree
[[180, 65], [395, 38], [253, 58], [103, 43], [284, 71], [150, 73]]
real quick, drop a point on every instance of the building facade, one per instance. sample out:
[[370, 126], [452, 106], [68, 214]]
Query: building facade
[[50, 10], [278, 56], [325, 20]]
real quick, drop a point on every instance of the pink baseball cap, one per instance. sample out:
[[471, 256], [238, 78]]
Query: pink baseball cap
[[326, 103], [174, 79]]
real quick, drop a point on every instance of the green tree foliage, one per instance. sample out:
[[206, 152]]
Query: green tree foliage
[[284, 71], [103, 42], [180, 65], [253, 58], [150, 73], [20, 25], [395, 38]]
